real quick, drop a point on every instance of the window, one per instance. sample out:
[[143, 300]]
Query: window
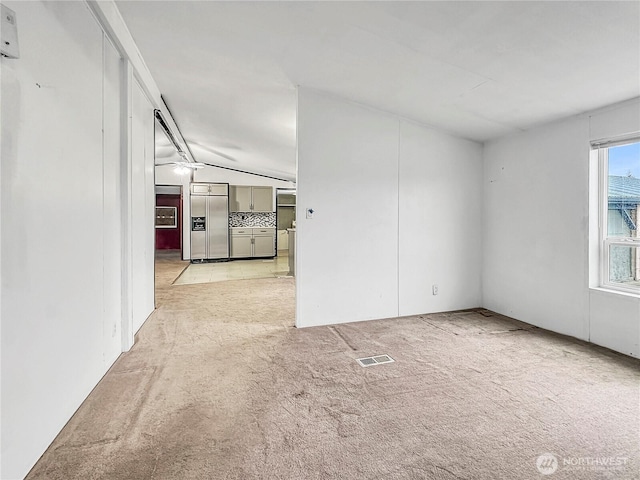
[[619, 215]]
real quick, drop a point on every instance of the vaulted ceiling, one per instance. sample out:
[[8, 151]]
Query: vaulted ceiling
[[480, 70]]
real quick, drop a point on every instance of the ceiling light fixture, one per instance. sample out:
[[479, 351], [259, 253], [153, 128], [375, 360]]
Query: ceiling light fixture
[[181, 170], [186, 167]]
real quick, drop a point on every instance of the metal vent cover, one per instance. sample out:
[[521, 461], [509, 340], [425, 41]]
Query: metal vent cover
[[376, 360]]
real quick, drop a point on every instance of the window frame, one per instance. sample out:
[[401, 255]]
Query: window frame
[[606, 241], [174, 216]]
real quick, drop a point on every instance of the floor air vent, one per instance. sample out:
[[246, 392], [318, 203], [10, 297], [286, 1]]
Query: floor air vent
[[377, 360]]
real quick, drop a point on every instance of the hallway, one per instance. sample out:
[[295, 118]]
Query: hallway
[[219, 385]]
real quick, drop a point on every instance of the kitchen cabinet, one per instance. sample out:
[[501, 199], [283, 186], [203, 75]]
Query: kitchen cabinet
[[241, 240], [250, 199], [239, 198], [252, 242], [262, 199], [264, 242]]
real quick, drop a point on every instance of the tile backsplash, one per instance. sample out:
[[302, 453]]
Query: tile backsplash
[[244, 219]]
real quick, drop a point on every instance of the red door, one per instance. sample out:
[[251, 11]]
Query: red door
[[168, 221]]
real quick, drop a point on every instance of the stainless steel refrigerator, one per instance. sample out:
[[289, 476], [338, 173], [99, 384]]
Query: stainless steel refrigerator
[[209, 221]]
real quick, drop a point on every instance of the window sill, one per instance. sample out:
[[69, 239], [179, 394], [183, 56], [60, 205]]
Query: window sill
[[613, 291]]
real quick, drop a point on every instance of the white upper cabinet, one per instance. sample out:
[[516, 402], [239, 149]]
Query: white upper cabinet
[[250, 199], [239, 198], [262, 199]]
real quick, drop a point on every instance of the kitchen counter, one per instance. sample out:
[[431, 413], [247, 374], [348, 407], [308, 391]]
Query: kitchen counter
[[237, 229]]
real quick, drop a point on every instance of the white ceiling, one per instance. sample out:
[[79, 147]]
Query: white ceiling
[[228, 70]]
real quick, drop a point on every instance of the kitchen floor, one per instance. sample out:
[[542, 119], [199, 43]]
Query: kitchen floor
[[235, 270]]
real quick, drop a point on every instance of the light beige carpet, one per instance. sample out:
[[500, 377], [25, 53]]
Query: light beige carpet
[[220, 386]]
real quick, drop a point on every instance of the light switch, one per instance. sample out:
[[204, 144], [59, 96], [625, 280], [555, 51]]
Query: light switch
[[310, 213]]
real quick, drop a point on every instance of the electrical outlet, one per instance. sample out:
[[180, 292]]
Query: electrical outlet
[[434, 289], [309, 213]]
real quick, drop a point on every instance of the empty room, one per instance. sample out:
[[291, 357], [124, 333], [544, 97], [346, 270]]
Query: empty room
[[320, 240]]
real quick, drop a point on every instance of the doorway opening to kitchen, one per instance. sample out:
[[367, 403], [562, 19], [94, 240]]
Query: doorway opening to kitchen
[[221, 233], [245, 277], [255, 242]]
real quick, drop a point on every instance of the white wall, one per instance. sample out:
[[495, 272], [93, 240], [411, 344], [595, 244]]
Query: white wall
[[347, 255], [54, 236], [440, 221], [536, 231], [395, 205], [66, 178]]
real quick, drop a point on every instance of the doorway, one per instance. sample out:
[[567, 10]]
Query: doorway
[[169, 218]]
